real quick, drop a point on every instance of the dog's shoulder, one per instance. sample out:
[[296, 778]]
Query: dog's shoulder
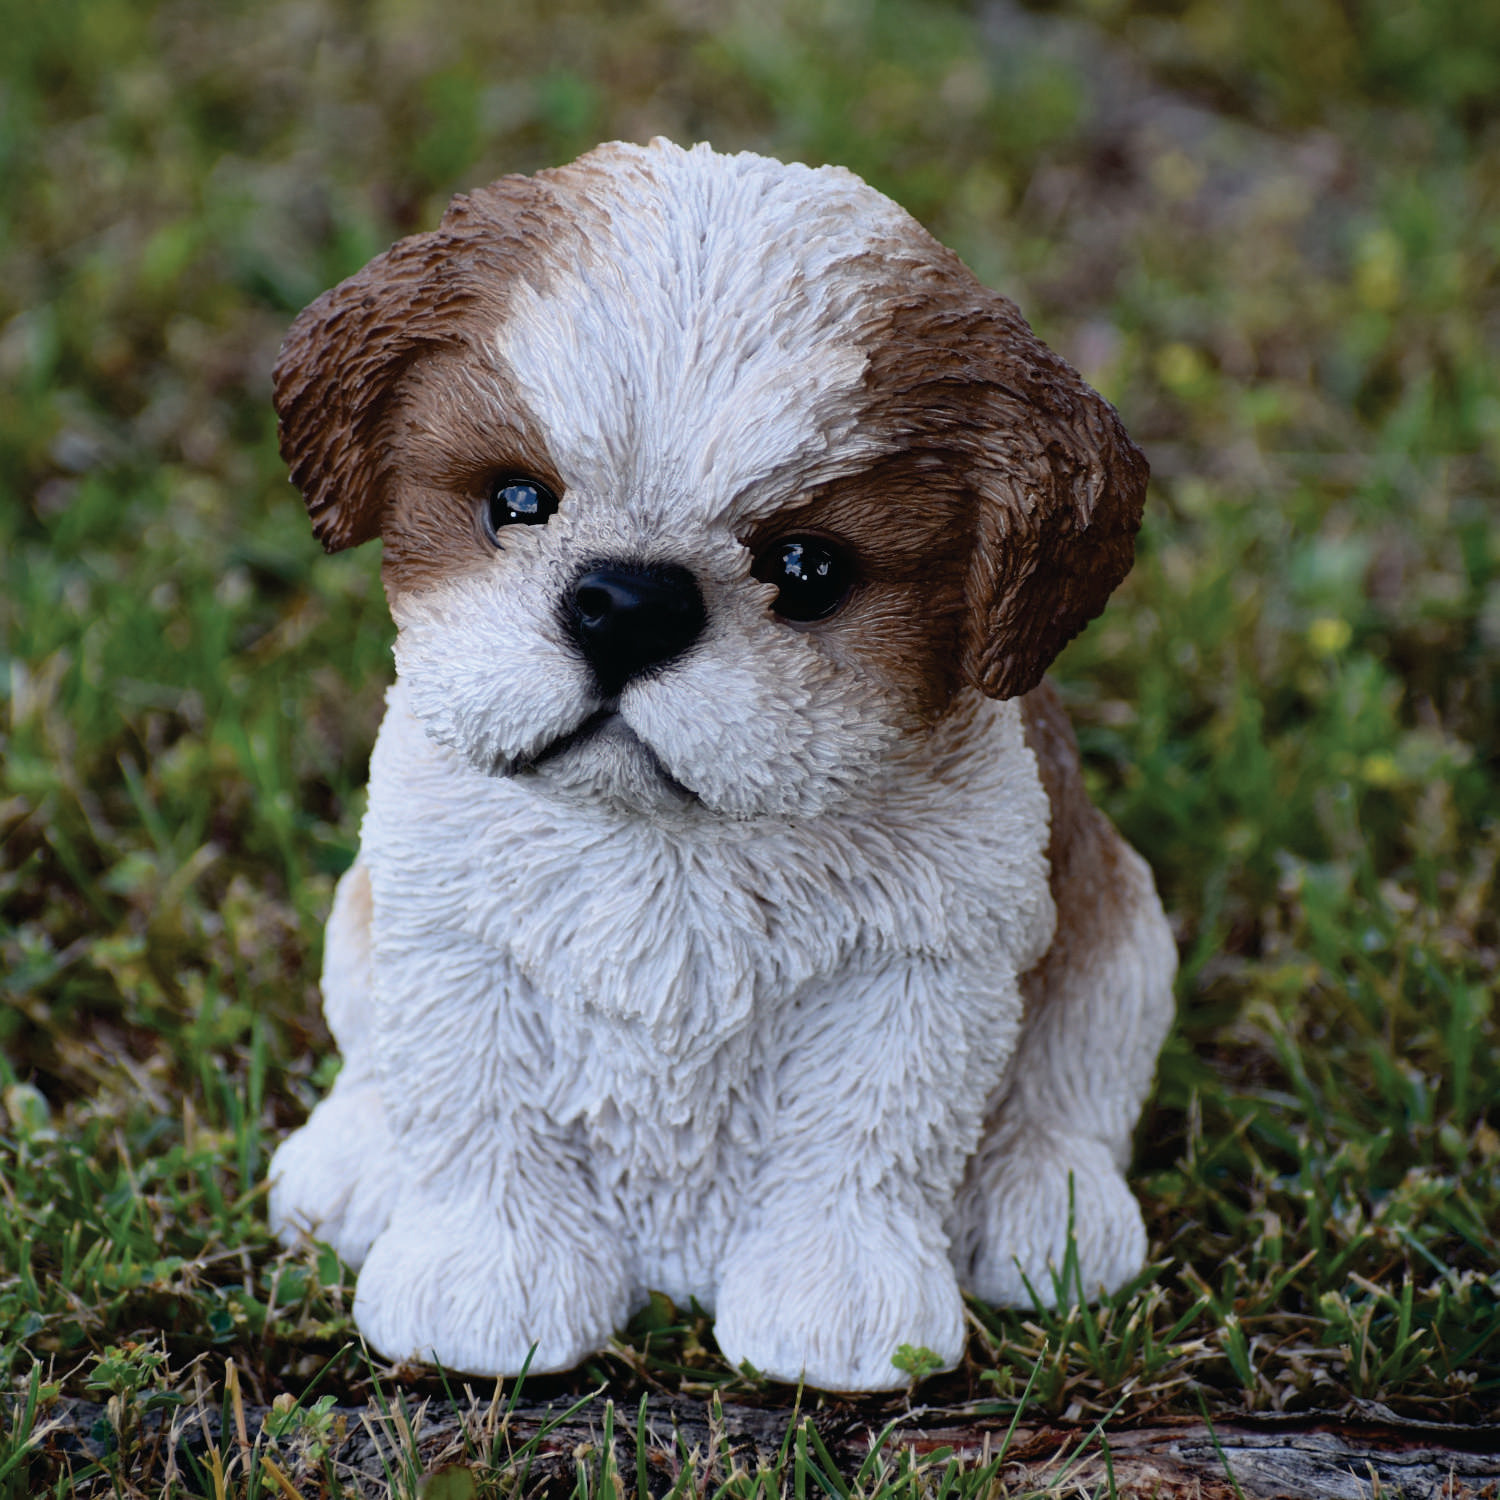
[[1050, 738]]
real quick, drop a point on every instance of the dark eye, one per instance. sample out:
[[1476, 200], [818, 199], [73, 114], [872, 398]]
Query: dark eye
[[812, 574], [512, 501]]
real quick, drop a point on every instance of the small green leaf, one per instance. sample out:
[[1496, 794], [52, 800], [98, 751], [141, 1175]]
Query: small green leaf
[[451, 1482], [917, 1360]]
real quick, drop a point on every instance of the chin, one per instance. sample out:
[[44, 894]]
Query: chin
[[730, 918]]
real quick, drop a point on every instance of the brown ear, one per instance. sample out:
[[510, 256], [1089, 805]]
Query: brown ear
[[344, 356], [1060, 489]]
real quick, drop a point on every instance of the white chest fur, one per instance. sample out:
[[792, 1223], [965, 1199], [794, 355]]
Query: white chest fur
[[645, 982]]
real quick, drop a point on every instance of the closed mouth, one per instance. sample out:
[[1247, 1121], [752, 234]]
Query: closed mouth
[[591, 726], [597, 722]]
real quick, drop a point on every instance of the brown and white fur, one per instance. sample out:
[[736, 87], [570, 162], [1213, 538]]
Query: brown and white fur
[[798, 975]]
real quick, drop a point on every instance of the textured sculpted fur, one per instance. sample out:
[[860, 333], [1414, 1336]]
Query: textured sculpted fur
[[793, 972]]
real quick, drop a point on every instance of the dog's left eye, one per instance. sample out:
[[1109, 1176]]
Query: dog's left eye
[[526, 502], [812, 574]]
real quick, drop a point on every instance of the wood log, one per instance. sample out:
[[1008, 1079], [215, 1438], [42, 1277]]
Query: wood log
[[1361, 1452]]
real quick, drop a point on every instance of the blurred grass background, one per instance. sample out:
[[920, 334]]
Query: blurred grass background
[[1269, 232]]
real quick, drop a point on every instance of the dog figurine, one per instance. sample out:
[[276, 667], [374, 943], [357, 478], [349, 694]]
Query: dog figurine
[[730, 917]]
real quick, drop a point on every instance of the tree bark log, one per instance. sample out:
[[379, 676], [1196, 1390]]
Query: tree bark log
[[1363, 1452]]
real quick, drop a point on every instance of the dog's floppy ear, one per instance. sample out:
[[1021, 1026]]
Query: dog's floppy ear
[[1060, 489], [343, 357], [338, 366]]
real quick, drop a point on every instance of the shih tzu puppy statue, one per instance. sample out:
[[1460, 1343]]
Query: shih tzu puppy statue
[[730, 917]]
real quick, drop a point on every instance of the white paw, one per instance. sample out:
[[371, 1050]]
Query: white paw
[[1012, 1224], [460, 1288], [334, 1179], [829, 1294]]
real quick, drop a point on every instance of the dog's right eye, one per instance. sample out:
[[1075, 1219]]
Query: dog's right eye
[[525, 502]]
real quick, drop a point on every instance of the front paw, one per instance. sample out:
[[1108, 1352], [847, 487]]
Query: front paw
[[334, 1179], [831, 1300], [463, 1289], [1011, 1239]]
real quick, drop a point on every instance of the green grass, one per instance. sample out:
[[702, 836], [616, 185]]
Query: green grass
[[1278, 256]]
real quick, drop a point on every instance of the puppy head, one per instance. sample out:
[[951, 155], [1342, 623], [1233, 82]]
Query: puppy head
[[704, 482]]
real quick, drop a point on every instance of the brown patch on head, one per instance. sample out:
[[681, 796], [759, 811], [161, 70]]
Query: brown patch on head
[[1052, 486], [907, 527], [346, 358], [456, 427], [1005, 511]]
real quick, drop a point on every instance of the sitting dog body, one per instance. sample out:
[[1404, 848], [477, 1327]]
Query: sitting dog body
[[730, 918]]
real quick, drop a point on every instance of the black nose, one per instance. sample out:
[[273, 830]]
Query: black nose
[[629, 617]]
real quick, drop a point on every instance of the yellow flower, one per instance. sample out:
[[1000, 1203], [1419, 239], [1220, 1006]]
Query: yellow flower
[[1179, 366], [1328, 635]]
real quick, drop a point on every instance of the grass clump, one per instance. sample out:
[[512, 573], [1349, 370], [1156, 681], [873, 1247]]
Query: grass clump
[[1277, 258]]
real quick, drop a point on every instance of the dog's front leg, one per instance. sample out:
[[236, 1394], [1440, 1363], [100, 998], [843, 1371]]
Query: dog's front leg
[[1051, 1161], [499, 1240], [840, 1254], [331, 1179]]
